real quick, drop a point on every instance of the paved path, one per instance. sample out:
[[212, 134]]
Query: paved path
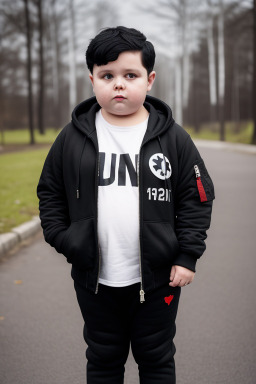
[[41, 326]]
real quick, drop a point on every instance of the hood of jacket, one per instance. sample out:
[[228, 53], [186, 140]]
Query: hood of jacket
[[160, 118]]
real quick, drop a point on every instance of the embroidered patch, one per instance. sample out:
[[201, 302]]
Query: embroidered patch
[[160, 166], [169, 299]]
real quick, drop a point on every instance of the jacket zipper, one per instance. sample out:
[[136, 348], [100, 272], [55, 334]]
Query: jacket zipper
[[97, 286], [142, 293], [99, 252]]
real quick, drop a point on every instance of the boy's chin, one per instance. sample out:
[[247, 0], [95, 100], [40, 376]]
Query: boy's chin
[[131, 117]]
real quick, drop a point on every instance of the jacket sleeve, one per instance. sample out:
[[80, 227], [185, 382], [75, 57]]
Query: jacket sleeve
[[53, 205], [193, 199]]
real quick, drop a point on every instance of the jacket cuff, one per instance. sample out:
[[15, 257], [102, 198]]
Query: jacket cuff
[[186, 261]]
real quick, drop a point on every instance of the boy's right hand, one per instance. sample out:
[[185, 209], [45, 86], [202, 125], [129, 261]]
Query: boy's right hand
[[181, 276]]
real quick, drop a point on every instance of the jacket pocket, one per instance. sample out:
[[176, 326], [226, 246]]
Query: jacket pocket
[[160, 244], [79, 245]]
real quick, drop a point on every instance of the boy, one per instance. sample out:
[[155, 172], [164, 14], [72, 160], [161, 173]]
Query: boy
[[125, 196]]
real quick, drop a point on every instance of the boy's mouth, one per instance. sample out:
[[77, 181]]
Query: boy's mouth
[[119, 97]]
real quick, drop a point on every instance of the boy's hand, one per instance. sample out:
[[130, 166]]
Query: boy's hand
[[180, 276]]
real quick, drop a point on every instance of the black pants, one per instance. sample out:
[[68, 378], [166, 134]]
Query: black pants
[[114, 318]]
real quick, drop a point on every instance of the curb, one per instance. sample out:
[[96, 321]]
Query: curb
[[18, 234]]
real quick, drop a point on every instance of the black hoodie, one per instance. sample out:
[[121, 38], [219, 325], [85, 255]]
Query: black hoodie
[[174, 211]]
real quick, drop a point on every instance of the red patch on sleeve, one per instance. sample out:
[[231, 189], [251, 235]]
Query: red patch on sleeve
[[201, 190], [169, 299]]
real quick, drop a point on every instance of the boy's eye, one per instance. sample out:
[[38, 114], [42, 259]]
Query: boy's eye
[[107, 76], [131, 75]]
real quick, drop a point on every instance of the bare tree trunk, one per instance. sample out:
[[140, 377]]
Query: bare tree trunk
[[54, 32], [1, 115], [185, 63], [195, 98], [185, 59], [29, 70], [254, 74], [221, 65], [211, 64], [72, 58], [178, 92], [41, 126], [235, 102], [1, 96]]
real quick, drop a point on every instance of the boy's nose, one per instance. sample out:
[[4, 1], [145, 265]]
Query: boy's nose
[[119, 85]]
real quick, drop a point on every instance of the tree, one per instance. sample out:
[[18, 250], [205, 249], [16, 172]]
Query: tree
[[211, 62], [190, 75], [178, 91], [254, 74], [1, 87], [221, 70], [54, 63], [29, 72], [72, 56], [182, 20], [41, 92]]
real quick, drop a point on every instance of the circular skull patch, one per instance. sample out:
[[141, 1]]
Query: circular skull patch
[[160, 166]]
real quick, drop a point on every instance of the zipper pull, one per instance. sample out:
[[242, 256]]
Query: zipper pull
[[142, 296], [200, 186], [77, 194], [197, 171]]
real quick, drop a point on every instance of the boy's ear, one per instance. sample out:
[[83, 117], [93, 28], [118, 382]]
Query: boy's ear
[[91, 78], [151, 79]]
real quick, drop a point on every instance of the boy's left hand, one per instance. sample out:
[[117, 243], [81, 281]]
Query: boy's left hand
[[181, 276]]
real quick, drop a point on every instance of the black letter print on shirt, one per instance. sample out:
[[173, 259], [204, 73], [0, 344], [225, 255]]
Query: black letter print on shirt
[[111, 179], [125, 162]]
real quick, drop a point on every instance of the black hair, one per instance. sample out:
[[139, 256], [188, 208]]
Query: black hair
[[110, 42]]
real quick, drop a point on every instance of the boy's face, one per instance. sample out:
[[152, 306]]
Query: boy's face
[[121, 86]]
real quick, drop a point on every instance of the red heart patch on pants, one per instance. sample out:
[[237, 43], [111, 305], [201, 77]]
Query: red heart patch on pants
[[168, 299]]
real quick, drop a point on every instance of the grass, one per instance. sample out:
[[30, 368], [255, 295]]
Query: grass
[[21, 136], [207, 132], [233, 135], [19, 177]]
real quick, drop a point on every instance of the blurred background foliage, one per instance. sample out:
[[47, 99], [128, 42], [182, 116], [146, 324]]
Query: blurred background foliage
[[205, 62], [205, 68]]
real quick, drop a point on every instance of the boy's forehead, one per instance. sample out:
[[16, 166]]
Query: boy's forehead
[[128, 60]]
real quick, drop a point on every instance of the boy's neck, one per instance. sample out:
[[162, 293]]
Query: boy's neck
[[126, 120]]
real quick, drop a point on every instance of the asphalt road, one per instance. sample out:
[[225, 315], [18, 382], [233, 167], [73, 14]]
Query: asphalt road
[[41, 325]]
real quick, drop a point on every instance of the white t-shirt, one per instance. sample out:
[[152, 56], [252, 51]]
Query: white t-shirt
[[118, 202]]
